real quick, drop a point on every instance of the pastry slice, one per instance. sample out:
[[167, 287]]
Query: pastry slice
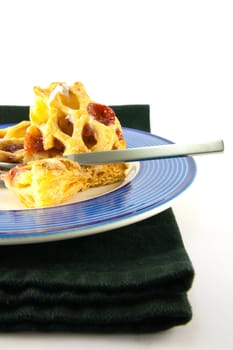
[[48, 182], [12, 142], [16, 131], [11, 150], [45, 182], [64, 120]]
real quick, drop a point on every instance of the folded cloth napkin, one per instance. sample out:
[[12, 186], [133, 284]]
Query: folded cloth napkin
[[130, 280]]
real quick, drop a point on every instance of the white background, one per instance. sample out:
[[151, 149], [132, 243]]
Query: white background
[[178, 57]]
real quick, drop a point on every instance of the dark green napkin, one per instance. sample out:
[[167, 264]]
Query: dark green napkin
[[132, 279]]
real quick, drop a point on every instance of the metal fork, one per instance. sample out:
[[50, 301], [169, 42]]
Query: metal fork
[[141, 153]]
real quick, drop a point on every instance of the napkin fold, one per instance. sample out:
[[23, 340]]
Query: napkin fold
[[129, 280]]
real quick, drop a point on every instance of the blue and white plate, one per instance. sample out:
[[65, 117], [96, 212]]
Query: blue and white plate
[[150, 187]]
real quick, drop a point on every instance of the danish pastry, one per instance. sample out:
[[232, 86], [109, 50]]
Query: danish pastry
[[62, 121]]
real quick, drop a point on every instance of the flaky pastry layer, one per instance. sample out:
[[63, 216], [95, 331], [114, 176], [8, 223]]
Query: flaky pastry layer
[[52, 181]]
